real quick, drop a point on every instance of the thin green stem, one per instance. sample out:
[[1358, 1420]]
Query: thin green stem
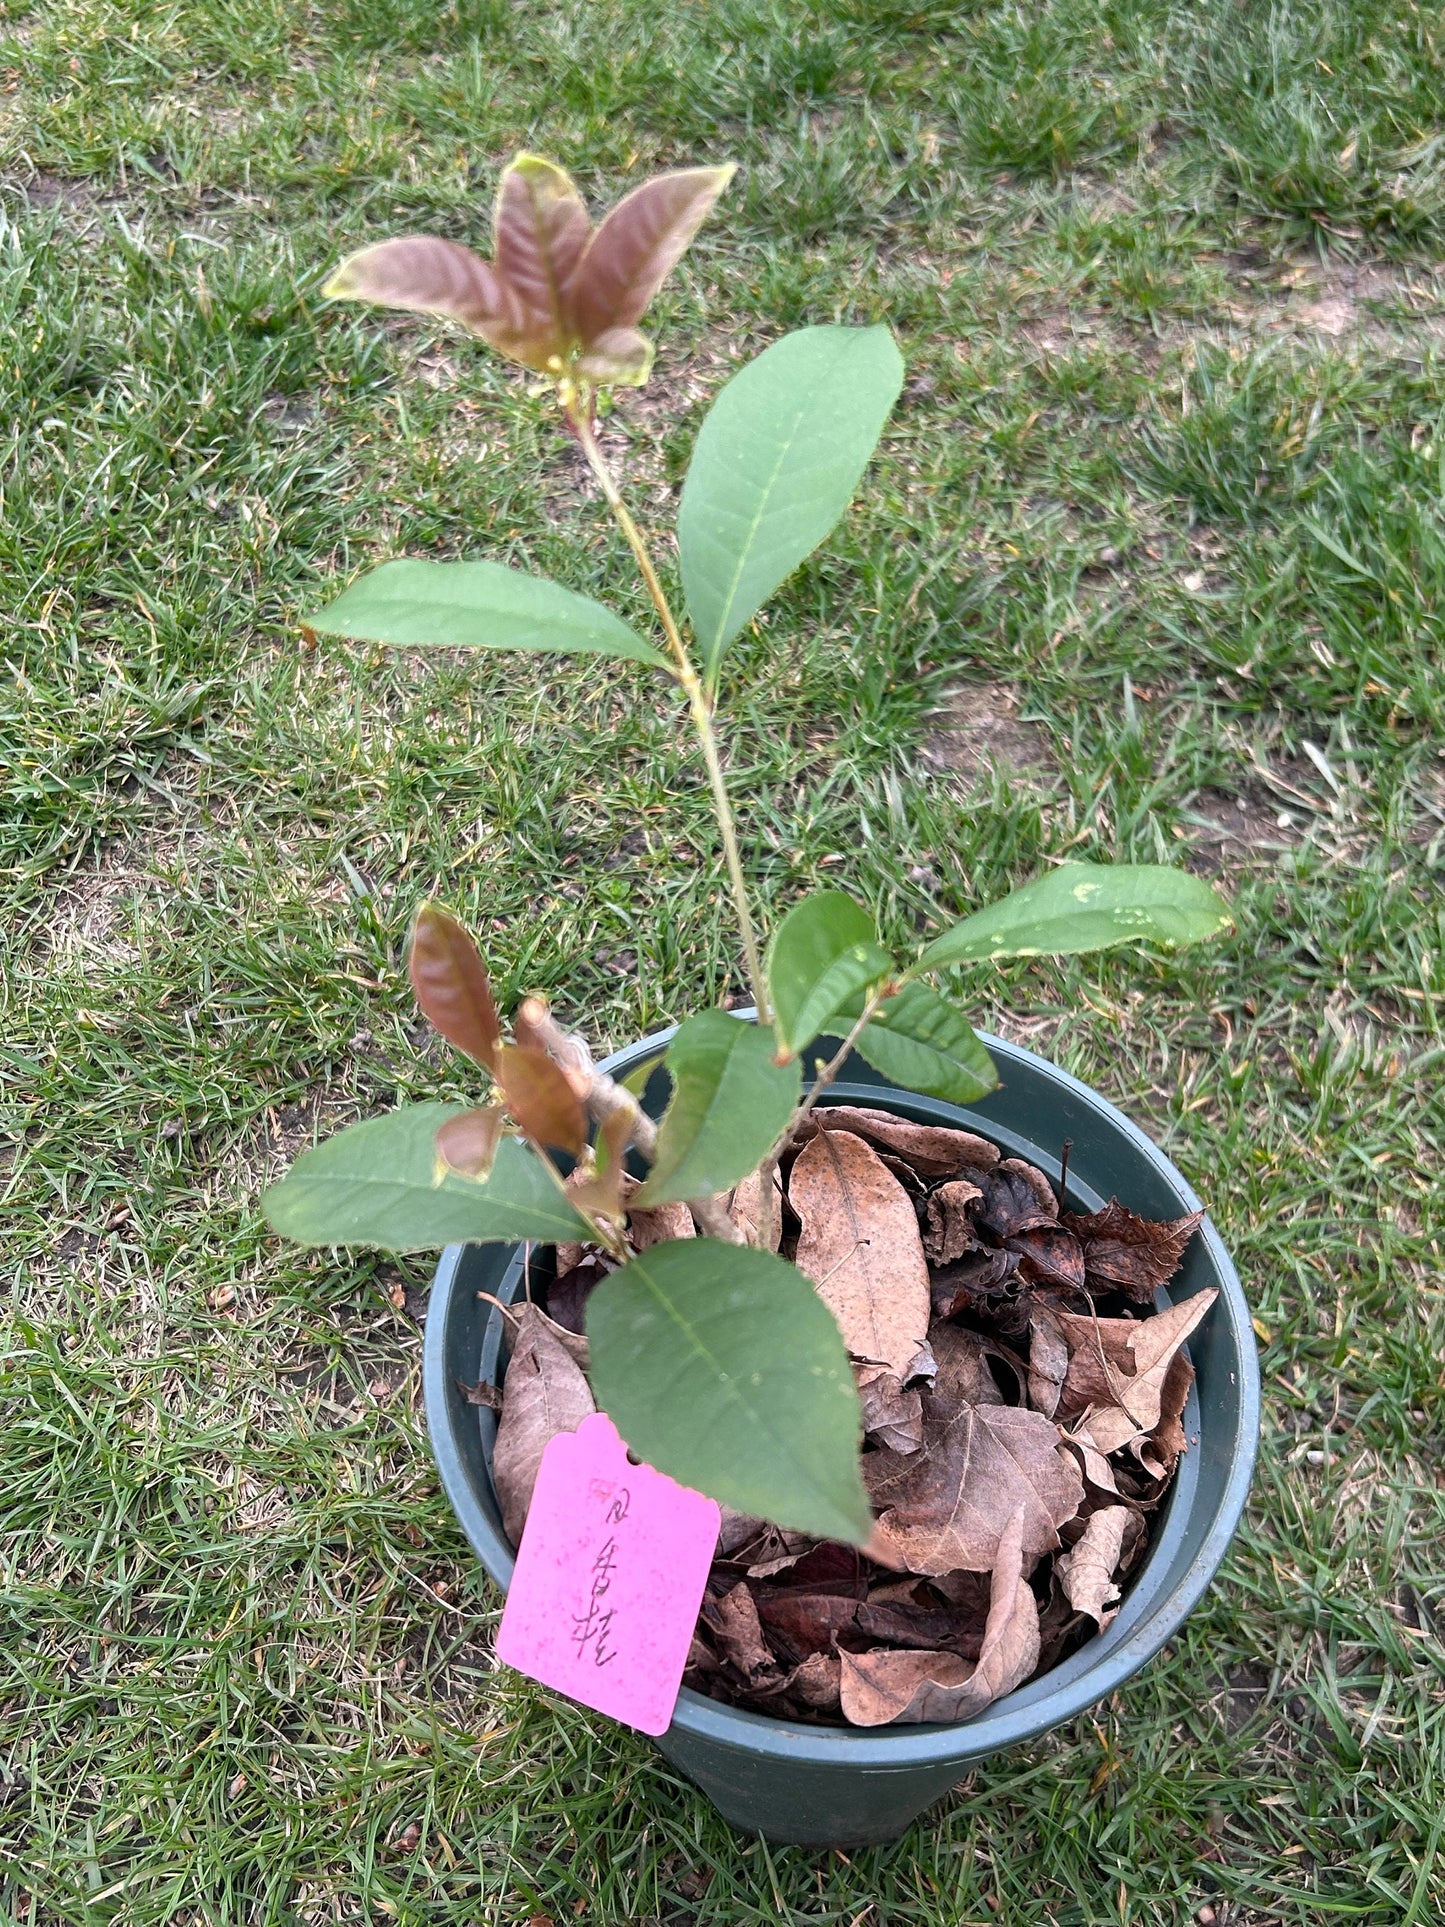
[[577, 413]]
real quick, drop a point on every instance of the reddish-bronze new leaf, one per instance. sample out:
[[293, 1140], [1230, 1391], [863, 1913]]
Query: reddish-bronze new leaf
[[451, 985], [638, 244], [540, 1098], [556, 297], [468, 1142], [540, 231]]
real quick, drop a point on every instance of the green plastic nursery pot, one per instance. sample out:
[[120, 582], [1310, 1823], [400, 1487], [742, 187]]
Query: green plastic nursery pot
[[844, 1786]]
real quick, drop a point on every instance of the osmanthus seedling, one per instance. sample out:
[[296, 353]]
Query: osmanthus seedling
[[716, 1359]]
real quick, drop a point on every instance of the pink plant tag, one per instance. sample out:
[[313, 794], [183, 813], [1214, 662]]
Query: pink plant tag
[[610, 1575]]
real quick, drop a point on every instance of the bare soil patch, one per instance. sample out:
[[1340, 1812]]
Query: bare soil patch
[[1226, 830], [979, 728]]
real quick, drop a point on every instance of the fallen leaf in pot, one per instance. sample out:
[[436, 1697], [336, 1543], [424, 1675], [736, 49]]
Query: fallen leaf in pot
[[489, 1397], [1096, 1468], [934, 1150], [800, 1624], [880, 1688], [658, 1224], [939, 1629], [949, 1230], [1159, 1452], [1017, 1197], [545, 1393], [815, 1683], [891, 1415], [1124, 1252], [1118, 1367], [981, 1281], [1049, 1256], [567, 1295], [983, 1465], [745, 1206], [861, 1247], [1086, 1571], [738, 1634], [961, 1370]]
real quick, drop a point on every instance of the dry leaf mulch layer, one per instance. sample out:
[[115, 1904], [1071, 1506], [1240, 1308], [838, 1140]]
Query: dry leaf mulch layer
[[1023, 1405]]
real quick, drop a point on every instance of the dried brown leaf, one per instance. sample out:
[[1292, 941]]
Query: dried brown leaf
[[934, 1150], [983, 1464], [1050, 1256], [1086, 1571], [1048, 1364], [1017, 1197], [1159, 1452], [891, 1415], [658, 1225], [803, 1623], [981, 1281], [860, 1245], [733, 1621], [567, 1296], [744, 1208], [545, 1393], [881, 1688], [1124, 1252], [1118, 1368], [938, 1629], [816, 1682], [950, 1231]]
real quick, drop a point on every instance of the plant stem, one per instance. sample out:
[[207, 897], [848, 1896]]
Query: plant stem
[[578, 412], [834, 1064]]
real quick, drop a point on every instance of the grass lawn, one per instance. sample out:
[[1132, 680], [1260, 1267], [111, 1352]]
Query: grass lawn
[[1152, 566]]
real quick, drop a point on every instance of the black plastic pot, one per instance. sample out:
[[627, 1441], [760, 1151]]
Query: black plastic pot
[[837, 1786]]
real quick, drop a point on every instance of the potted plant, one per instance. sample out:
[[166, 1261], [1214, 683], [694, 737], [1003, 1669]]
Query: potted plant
[[817, 1260]]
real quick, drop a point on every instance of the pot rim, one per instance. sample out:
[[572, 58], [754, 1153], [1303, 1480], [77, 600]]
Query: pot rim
[[1080, 1681]]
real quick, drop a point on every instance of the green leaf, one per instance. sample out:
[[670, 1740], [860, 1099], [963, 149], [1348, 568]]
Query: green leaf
[[824, 951], [723, 1367], [775, 465], [730, 1104], [479, 605], [1086, 906], [923, 1043], [384, 1183]]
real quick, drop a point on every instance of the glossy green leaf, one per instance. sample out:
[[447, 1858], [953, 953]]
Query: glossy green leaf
[[383, 1182], [730, 1104], [920, 1041], [775, 465], [1086, 906], [723, 1367], [823, 953], [480, 605]]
